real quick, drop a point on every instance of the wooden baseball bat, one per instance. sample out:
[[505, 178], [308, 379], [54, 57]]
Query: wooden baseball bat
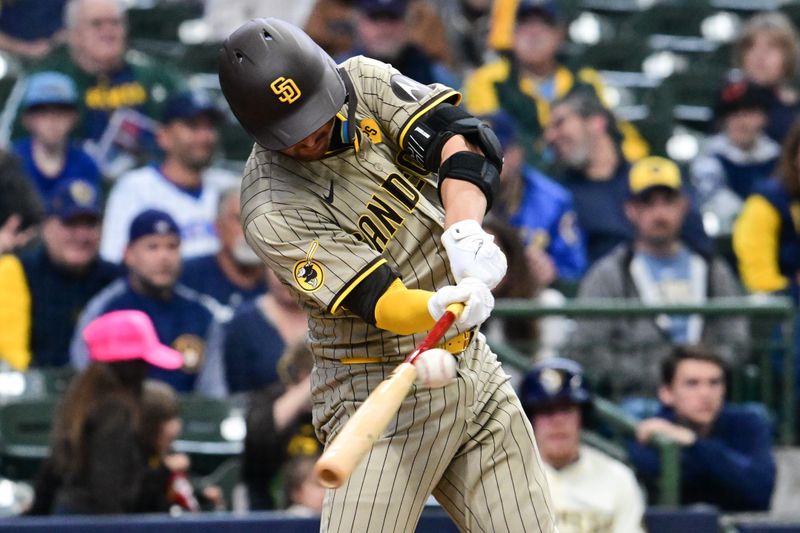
[[368, 422]]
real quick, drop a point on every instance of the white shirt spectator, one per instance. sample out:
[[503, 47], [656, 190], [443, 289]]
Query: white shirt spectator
[[596, 494], [147, 188]]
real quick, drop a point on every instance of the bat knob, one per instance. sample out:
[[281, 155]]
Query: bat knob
[[328, 477]]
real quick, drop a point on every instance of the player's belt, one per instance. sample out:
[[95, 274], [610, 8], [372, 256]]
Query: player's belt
[[455, 346]]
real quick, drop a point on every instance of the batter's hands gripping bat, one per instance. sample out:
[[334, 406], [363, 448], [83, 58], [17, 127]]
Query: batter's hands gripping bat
[[368, 422]]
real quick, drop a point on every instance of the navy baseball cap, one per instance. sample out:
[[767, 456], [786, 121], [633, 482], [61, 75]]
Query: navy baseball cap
[[554, 381], [50, 88], [152, 222], [546, 10], [188, 105], [386, 8], [75, 197]]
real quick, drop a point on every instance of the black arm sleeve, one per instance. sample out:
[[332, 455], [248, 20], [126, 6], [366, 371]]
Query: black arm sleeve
[[364, 297]]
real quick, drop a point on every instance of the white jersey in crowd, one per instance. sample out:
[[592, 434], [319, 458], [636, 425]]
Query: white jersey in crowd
[[596, 494], [147, 188]]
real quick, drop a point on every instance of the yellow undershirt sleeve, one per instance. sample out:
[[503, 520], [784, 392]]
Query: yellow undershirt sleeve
[[403, 311], [755, 241], [15, 313]]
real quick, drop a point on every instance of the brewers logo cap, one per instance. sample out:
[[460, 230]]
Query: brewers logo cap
[[152, 222], [73, 198]]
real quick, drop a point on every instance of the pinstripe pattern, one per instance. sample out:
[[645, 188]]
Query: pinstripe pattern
[[469, 444], [382, 209]]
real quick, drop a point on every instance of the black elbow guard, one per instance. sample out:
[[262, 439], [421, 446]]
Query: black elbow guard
[[428, 135], [474, 168]]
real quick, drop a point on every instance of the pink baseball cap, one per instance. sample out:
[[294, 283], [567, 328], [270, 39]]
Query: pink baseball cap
[[127, 335]]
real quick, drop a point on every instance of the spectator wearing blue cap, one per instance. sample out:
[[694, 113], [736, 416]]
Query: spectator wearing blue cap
[[181, 317], [49, 114], [185, 185], [46, 288], [591, 491]]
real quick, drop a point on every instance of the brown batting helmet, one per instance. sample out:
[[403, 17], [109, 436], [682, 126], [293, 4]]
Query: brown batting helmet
[[280, 84]]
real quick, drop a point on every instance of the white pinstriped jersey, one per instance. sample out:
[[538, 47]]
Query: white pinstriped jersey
[[380, 212]]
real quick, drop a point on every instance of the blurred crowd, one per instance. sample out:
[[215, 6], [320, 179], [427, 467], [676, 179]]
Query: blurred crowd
[[123, 257]]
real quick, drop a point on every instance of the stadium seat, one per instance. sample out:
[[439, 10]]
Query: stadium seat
[[213, 431], [674, 17], [24, 436], [161, 22], [787, 484]]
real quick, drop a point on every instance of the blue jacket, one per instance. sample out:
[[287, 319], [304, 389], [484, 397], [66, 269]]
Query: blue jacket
[[546, 213], [732, 468], [78, 164], [252, 348], [204, 275], [183, 322]]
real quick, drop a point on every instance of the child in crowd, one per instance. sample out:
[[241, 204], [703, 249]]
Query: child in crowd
[[167, 483], [737, 158], [302, 491], [278, 426], [49, 114]]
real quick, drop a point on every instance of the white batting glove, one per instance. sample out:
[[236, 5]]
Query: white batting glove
[[473, 293], [473, 253]]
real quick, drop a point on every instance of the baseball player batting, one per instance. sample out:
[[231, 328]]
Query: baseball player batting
[[364, 193]]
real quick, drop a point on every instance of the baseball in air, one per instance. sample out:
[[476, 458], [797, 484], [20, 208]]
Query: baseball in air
[[435, 368]]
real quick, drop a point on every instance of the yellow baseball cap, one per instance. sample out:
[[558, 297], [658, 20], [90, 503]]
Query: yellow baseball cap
[[652, 172]]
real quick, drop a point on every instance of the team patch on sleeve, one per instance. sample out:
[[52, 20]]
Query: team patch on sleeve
[[308, 274], [370, 127]]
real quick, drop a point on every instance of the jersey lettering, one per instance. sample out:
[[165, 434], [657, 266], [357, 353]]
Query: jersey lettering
[[372, 232], [385, 214], [380, 211], [403, 191]]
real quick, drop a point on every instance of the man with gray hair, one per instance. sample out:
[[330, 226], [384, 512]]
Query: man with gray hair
[[586, 144], [108, 79], [235, 273]]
